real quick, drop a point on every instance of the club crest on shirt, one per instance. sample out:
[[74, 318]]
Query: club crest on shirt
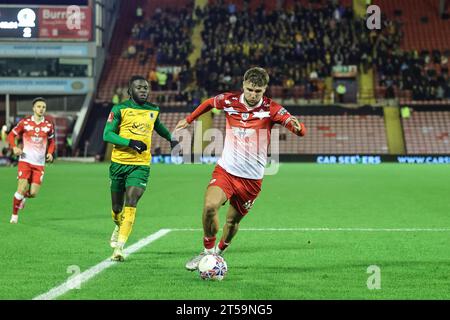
[[152, 115], [245, 116]]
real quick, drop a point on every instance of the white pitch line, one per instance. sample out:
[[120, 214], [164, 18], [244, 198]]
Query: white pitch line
[[334, 229], [92, 272]]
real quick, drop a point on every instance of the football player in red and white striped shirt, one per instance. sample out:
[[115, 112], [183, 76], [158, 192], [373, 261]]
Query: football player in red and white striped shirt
[[238, 175], [37, 134]]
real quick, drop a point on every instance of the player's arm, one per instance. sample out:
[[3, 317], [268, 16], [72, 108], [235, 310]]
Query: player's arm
[[295, 126], [16, 131], [51, 146], [112, 127], [204, 107], [282, 116], [164, 132]]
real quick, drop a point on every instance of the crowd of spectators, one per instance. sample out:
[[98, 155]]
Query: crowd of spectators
[[190, 97], [169, 34], [424, 74], [299, 46]]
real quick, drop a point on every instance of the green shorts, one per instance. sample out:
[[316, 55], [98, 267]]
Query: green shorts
[[123, 176]]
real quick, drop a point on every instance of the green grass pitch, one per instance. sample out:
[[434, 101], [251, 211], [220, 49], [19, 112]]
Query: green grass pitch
[[69, 224]]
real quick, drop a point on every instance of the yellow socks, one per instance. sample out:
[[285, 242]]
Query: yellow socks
[[129, 214]]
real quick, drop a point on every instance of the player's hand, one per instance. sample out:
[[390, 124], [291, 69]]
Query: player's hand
[[137, 145], [17, 151], [297, 126], [49, 157], [173, 143], [182, 124]]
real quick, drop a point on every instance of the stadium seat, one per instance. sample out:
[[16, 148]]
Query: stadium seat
[[331, 134], [427, 132]]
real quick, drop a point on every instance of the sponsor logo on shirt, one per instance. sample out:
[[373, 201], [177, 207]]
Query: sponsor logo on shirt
[[282, 112], [37, 139], [249, 204], [140, 129], [242, 132]]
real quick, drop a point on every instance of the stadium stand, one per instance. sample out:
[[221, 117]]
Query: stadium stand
[[427, 132], [299, 42], [422, 27], [416, 69], [406, 70], [160, 37], [301, 54]]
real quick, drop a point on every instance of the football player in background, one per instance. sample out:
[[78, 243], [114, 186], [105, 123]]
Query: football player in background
[[238, 175], [129, 128], [37, 134]]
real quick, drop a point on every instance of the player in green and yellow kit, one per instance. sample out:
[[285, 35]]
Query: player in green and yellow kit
[[129, 128]]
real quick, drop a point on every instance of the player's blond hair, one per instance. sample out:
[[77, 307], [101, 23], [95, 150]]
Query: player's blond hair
[[257, 76]]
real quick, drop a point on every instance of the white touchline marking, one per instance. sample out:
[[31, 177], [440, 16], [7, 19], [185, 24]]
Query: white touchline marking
[[334, 229], [105, 264], [92, 272]]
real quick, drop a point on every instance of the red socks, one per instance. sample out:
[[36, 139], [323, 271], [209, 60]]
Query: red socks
[[223, 245], [16, 202], [209, 242]]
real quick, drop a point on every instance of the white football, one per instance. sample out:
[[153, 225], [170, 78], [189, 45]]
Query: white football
[[212, 267]]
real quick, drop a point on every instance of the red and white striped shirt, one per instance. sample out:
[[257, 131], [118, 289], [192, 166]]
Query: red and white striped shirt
[[247, 132]]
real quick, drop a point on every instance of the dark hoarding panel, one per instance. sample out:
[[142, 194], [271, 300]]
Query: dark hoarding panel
[[19, 23]]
